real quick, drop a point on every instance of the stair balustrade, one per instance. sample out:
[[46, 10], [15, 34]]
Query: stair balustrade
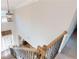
[[46, 52]]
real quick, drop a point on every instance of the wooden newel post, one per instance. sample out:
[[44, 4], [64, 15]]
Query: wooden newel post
[[42, 52]]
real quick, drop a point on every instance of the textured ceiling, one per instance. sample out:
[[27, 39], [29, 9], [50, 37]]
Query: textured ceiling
[[14, 4]]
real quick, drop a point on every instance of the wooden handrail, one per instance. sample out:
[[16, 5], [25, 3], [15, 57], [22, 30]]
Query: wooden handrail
[[26, 49], [56, 39], [8, 32], [42, 50]]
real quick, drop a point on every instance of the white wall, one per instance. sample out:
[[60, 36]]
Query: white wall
[[40, 22]]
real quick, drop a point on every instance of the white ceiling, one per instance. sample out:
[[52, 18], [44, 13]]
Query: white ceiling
[[14, 4]]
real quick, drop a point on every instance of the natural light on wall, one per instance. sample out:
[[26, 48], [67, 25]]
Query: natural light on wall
[[3, 17]]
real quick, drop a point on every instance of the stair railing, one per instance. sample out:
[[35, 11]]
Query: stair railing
[[46, 52], [51, 50], [25, 53]]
